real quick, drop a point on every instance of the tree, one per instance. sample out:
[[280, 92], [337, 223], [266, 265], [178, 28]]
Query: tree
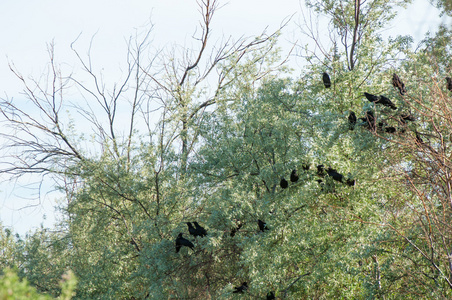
[[217, 155], [127, 193]]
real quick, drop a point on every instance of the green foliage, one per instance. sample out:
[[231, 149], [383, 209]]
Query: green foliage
[[12, 287]]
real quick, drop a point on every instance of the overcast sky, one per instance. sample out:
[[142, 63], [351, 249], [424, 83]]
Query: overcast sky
[[28, 26]]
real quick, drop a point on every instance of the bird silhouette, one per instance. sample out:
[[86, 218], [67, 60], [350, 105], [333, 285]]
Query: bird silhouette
[[241, 289], [389, 129], [449, 83], [326, 80], [351, 120], [350, 182], [271, 296], [192, 230], [202, 232], [181, 241], [419, 139], [334, 174], [283, 183], [262, 225], [369, 119], [397, 83], [380, 100], [294, 176], [406, 117], [384, 127]]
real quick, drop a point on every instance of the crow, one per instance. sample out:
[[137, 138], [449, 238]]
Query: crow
[[192, 230], [406, 117], [419, 139], [390, 129], [294, 176], [241, 289], [383, 127], [283, 183], [271, 296], [202, 232], [351, 120], [397, 83], [449, 83], [380, 99], [334, 174], [180, 241], [321, 170], [369, 119], [326, 80], [262, 225], [350, 182]]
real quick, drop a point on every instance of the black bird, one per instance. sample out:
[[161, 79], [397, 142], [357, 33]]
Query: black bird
[[192, 230], [334, 174], [294, 176], [271, 296], [283, 183], [449, 83], [262, 225], [180, 241], [380, 99], [321, 170], [397, 83], [326, 80], [390, 129], [406, 117], [384, 127], [202, 232], [369, 119], [351, 120], [350, 182], [241, 289], [419, 139]]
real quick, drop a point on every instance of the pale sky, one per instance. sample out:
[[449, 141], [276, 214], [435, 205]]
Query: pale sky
[[29, 25]]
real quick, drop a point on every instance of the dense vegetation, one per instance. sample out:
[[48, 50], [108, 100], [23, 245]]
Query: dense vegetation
[[209, 135]]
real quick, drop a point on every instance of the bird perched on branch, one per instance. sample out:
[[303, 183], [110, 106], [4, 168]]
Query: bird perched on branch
[[380, 100], [350, 182], [369, 119], [192, 230], [241, 289], [262, 225], [201, 231], [406, 117], [351, 120], [397, 83], [294, 176], [334, 174], [180, 241], [419, 140], [283, 183], [326, 80], [449, 83], [384, 127]]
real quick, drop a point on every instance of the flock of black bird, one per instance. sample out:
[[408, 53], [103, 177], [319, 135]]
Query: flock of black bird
[[369, 122]]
